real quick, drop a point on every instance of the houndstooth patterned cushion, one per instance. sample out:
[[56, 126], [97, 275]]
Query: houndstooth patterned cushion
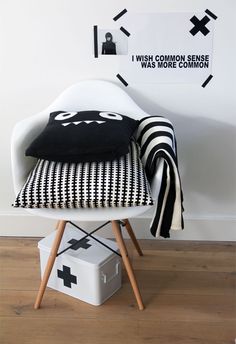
[[118, 183]]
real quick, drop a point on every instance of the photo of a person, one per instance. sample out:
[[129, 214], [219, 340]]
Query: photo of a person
[[108, 47], [111, 42]]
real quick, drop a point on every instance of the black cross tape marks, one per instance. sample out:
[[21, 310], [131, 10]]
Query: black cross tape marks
[[127, 33], [95, 34], [79, 244], [67, 277], [124, 31], [207, 80], [122, 80], [212, 15], [119, 15], [199, 25]]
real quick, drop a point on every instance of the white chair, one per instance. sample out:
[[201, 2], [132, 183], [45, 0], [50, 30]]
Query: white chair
[[85, 95]]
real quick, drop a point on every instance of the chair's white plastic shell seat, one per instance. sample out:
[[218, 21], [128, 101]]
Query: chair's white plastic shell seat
[[85, 95]]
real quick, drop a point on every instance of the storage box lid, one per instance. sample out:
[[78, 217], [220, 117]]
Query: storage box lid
[[89, 250]]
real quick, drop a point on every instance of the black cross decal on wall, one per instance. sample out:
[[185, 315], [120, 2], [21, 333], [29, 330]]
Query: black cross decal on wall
[[81, 244], [199, 25], [67, 277]]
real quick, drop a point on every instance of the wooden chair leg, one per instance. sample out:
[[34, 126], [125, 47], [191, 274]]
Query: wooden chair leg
[[120, 241], [133, 237], [57, 224], [50, 262]]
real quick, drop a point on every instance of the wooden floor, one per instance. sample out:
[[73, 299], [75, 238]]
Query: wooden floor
[[188, 288]]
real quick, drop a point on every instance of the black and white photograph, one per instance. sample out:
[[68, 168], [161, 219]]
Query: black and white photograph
[[112, 42]]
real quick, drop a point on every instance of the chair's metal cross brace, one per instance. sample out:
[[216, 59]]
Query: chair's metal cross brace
[[88, 235]]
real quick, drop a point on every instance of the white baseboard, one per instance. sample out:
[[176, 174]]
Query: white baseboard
[[213, 228]]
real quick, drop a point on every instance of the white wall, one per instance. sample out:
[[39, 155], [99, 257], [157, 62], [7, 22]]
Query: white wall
[[47, 45]]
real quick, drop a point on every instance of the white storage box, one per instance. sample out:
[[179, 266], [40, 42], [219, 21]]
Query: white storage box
[[89, 271]]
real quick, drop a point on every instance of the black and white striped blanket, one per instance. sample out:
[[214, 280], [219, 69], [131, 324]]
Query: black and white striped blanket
[[157, 140]]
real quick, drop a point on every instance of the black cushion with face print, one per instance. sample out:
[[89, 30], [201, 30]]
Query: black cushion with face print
[[83, 136]]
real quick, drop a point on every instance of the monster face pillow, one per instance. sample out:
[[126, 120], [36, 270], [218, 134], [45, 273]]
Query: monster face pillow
[[83, 136]]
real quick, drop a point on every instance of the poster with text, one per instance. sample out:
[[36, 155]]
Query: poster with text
[[167, 47]]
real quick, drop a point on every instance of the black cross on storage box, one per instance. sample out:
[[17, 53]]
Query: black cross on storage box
[[81, 244], [67, 277]]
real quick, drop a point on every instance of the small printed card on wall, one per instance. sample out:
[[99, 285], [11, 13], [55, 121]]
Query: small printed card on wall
[[160, 47], [109, 42]]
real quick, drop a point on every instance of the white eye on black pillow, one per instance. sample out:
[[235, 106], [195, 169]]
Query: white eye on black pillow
[[83, 136]]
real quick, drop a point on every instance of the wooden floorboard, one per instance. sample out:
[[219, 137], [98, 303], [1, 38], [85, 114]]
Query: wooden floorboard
[[88, 331], [188, 287]]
